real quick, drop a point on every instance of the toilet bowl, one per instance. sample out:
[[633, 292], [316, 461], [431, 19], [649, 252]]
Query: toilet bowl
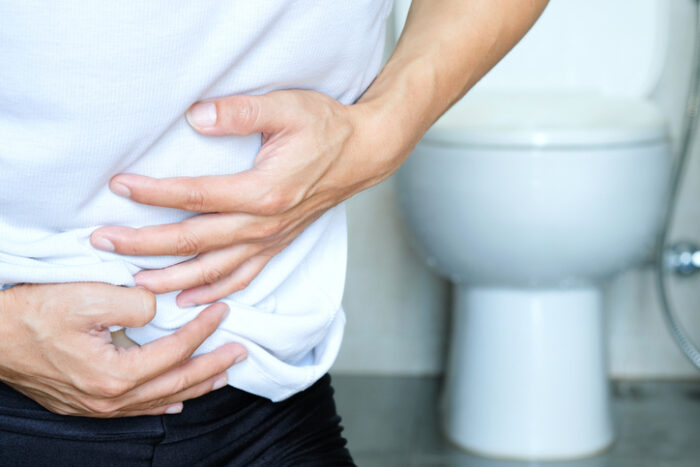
[[527, 203], [545, 180]]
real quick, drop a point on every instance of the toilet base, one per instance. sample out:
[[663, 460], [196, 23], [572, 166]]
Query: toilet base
[[527, 375]]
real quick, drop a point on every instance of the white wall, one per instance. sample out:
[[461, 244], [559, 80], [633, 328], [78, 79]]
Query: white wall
[[398, 309], [640, 345]]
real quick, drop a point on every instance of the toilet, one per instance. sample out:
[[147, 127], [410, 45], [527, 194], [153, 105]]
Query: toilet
[[547, 179]]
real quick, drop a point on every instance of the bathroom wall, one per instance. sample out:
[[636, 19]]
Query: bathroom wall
[[398, 309], [640, 345]]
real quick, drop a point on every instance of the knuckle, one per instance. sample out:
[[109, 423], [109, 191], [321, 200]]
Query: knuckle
[[266, 229], [241, 283], [211, 274], [186, 244], [247, 113], [118, 387], [188, 340], [91, 387], [147, 408], [108, 387], [57, 410], [275, 202], [195, 200], [283, 228], [149, 303], [184, 353], [100, 406], [183, 381], [270, 203]]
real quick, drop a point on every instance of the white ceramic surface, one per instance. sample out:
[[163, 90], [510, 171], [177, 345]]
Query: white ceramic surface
[[548, 120], [526, 374], [533, 217]]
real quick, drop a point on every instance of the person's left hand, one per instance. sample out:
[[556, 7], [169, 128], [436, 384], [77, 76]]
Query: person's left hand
[[316, 152]]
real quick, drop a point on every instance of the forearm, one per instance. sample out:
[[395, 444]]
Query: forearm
[[445, 48]]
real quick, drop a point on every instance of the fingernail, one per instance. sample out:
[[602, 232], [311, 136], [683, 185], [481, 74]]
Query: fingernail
[[184, 303], [102, 243], [225, 310], [240, 358], [173, 409], [220, 383], [138, 281], [202, 114], [121, 190]]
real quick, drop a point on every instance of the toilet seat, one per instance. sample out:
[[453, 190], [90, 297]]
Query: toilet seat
[[546, 120]]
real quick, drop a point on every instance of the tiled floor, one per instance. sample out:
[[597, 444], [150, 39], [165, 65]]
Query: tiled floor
[[392, 421]]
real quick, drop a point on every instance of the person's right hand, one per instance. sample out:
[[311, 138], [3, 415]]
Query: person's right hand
[[55, 348]]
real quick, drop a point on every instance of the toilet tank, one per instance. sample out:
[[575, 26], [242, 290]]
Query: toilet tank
[[615, 47]]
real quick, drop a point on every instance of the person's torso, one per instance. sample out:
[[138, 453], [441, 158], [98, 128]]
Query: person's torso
[[92, 89]]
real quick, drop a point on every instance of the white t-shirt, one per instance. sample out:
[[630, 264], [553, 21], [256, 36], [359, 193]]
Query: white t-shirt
[[92, 89]]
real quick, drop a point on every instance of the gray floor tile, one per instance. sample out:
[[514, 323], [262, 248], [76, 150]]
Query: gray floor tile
[[379, 413], [394, 422]]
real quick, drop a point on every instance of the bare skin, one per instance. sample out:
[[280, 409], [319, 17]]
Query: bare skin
[[316, 153]]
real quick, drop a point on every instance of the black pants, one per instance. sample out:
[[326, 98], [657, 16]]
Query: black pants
[[227, 427]]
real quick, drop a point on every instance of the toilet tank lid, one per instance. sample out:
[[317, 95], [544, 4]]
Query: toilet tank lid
[[549, 120]]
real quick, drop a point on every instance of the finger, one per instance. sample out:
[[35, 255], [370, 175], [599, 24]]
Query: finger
[[205, 387], [242, 275], [206, 268], [120, 306], [187, 238], [163, 410], [175, 401], [242, 115], [198, 234], [240, 192], [234, 282], [155, 358], [56, 404], [200, 369], [62, 409]]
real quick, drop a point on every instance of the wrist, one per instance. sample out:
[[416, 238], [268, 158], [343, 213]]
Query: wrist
[[380, 145], [390, 122], [395, 112]]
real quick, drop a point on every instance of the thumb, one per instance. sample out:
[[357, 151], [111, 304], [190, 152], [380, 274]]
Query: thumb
[[131, 307], [238, 115]]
